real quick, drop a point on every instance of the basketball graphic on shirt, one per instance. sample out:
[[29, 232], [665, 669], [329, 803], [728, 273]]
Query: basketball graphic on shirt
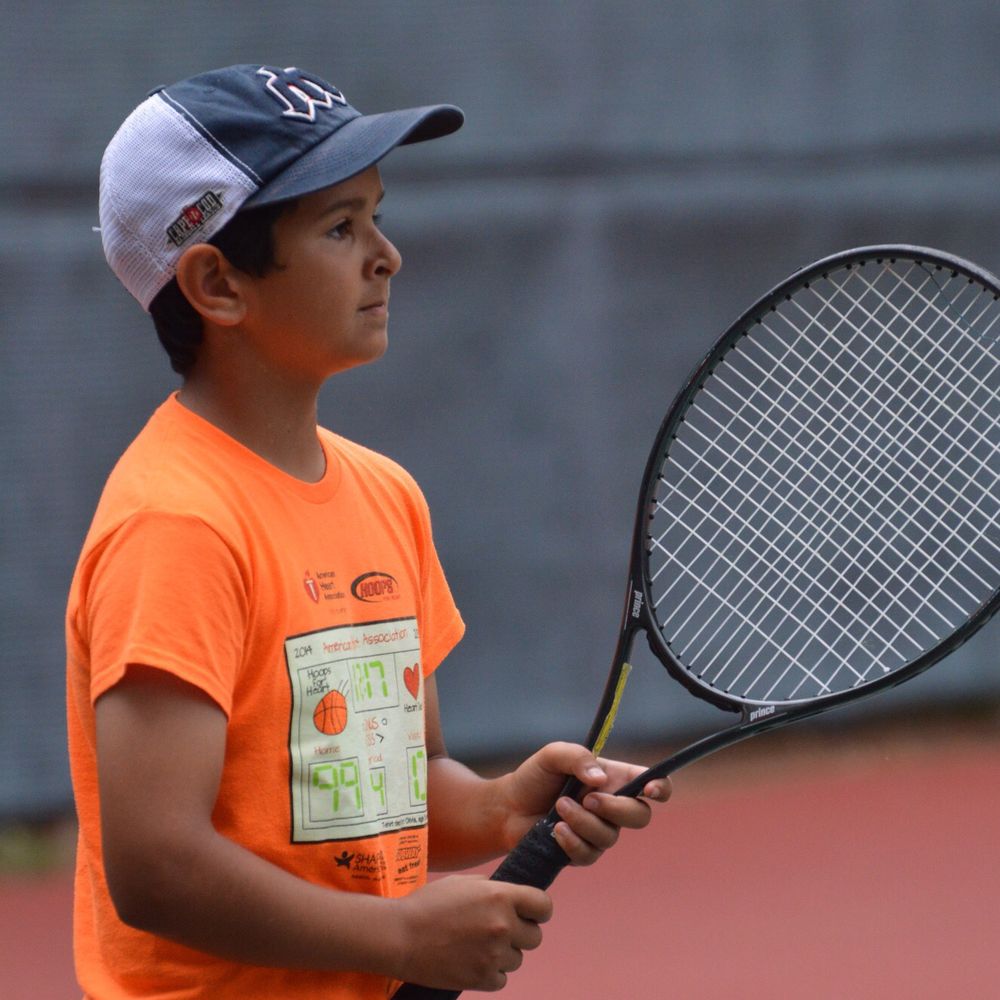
[[330, 714]]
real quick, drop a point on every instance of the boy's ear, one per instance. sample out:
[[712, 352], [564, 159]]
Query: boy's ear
[[212, 285]]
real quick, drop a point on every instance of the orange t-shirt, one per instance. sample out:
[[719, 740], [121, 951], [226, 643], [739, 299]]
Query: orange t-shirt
[[311, 614]]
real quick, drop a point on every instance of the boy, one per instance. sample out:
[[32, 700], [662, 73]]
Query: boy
[[258, 610]]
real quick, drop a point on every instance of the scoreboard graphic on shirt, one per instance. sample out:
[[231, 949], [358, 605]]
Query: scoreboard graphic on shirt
[[356, 735]]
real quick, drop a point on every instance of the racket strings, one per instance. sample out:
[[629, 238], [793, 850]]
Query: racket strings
[[790, 536], [932, 469], [790, 582], [759, 388], [931, 557], [751, 631], [912, 490], [967, 372], [895, 439], [954, 443], [805, 469], [979, 464], [833, 486], [737, 577], [722, 526], [866, 630], [827, 613]]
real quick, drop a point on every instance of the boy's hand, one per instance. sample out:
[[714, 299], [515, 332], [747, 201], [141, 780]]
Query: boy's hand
[[589, 827], [465, 932]]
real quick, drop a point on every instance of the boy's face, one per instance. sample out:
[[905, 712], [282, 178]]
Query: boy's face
[[324, 308]]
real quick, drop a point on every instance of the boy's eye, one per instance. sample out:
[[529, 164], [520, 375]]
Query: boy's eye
[[345, 227]]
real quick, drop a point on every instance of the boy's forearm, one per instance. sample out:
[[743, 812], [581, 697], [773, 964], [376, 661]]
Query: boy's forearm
[[468, 814], [215, 896]]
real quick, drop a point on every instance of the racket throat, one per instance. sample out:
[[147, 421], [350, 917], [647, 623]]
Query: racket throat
[[608, 723], [752, 724]]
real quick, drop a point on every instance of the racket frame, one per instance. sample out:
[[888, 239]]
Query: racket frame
[[756, 715]]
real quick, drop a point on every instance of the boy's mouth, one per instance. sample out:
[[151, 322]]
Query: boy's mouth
[[376, 306], [380, 308]]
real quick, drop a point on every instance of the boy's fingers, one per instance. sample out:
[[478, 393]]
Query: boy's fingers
[[531, 904], [571, 758], [658, 791], [587, 825], [620, 811], [579, 851]]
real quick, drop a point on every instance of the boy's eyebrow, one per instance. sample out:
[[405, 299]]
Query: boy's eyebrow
[[352, 204]]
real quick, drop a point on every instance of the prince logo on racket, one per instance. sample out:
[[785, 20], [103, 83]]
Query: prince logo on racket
[[296, 741]]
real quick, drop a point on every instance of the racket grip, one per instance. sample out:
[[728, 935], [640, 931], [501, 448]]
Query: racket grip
[[536, 860], [410, 991]]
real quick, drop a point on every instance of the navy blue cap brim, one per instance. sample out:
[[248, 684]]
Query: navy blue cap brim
[[356, 146]]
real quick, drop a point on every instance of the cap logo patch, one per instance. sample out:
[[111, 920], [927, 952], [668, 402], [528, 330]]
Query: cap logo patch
[[193, 218], [298, 95]]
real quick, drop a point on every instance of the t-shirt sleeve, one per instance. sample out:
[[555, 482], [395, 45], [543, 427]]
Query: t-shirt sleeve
[[167, 592], [441, 625]]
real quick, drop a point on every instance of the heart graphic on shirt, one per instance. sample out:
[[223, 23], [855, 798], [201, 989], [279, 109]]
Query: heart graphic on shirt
[[411, 678]]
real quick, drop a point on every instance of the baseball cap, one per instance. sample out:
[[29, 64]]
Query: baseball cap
[[193, 153]]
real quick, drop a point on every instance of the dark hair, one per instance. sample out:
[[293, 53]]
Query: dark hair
[[247, 241]]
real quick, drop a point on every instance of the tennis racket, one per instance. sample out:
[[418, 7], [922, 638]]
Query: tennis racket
[[819, 518]]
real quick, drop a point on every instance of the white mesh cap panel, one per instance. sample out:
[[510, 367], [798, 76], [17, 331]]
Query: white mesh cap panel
[[142, 194]]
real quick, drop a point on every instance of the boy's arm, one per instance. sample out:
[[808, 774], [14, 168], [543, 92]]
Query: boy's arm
[[171, 873], [472, 819]]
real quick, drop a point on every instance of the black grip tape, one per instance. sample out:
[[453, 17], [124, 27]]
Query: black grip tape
[[535, 861], [410, 991]]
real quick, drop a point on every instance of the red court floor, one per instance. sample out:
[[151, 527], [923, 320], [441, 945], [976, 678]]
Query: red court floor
[[781, 871]]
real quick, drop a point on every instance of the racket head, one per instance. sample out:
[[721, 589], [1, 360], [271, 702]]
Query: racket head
[[790, 545]]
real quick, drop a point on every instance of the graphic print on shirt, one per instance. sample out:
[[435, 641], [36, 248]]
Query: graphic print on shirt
[[356, 735]]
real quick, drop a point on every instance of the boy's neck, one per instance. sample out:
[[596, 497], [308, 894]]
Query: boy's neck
[[276, 422]]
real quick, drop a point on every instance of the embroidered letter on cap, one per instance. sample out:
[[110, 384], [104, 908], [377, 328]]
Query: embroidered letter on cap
[[288, 90]]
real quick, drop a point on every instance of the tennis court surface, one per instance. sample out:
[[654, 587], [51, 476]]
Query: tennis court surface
[[857, 866]]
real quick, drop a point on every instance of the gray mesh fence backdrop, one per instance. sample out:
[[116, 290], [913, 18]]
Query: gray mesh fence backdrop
[[631, 176]]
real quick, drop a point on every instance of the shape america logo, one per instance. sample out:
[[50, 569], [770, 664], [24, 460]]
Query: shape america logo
[[299, 94]]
